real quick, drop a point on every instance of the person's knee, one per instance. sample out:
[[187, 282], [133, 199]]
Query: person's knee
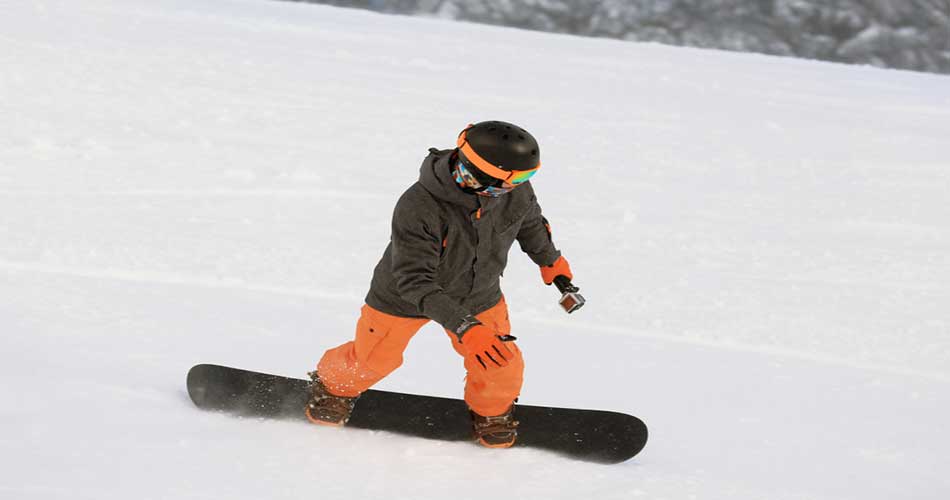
[[383, 363], [507, 379], [492, 391]]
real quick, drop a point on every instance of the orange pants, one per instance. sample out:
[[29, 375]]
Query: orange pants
[[355, 366]]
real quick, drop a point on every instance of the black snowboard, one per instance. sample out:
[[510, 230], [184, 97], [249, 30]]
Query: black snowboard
[[591, 435]]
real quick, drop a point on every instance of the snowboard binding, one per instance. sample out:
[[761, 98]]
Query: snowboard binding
[[324, 408], [495, 432]]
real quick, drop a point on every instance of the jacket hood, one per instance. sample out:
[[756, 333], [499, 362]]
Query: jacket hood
[[436, 177]]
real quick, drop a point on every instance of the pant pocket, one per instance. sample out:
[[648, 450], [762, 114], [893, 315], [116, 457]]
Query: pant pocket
[[370, 332], [381, 340]]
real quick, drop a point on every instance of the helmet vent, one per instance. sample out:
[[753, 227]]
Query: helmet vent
[[505, 137], [520, 137]]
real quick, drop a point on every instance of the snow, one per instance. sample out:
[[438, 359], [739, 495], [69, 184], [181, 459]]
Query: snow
[[763, 244]]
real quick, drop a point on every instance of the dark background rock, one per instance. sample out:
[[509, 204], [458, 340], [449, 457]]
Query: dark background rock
[[904, 34]]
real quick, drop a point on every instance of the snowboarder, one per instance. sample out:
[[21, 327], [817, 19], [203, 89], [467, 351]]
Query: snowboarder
[[451, 232]]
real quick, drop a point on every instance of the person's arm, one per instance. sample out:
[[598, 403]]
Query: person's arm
[[535, 240], [535, 237], [416, 246]]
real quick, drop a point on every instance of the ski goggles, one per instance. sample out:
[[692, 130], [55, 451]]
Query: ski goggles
[[513, 177], [465, 177]]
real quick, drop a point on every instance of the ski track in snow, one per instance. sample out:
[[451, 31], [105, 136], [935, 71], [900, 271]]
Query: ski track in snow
[[537, 322], [763, 244]]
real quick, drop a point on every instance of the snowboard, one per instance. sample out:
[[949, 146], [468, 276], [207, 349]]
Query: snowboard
[[589, 435]]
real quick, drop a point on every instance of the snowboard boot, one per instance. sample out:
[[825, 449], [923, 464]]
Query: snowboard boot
[[324, 408], [495, 432]]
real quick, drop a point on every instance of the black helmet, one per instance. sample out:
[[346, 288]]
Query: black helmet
[[500, 150]]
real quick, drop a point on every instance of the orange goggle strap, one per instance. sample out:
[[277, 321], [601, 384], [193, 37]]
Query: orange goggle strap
[[483, 164]]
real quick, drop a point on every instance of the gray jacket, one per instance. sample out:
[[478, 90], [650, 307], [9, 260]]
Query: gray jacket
[[449, 248]]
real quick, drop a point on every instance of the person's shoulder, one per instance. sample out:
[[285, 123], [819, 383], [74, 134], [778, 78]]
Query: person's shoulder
[[524, 194], [416, 194], [527, 190], [416, 202]]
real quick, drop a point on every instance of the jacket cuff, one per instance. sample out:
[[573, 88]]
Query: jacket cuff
[[444, 310], [547, 258]]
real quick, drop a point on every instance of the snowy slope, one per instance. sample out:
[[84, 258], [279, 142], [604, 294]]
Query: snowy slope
[[763, 243]]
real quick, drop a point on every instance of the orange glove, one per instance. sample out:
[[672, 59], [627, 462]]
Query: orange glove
[[559, 268], [485, 346]]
